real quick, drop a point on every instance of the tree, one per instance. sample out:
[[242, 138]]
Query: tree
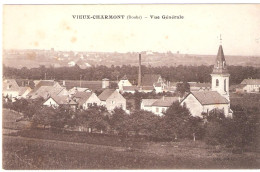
[[182, 88], [142, 121], [119, 121], [44, 116], [95, 117], [176, 121]]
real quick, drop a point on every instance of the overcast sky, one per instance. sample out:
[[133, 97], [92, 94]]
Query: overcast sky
[[52, 26]]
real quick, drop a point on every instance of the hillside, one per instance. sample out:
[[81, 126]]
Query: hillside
[[35, 58]]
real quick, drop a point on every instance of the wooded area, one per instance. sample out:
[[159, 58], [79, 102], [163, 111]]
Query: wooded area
[[173, 74]]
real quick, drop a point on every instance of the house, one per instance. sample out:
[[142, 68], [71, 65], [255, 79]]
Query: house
[[146, 89], [218, 97], [86, 99], [24, 91], [74, 90], [249, 86], [196, 86], [146, 104], [205, 101], [57, 101], [129, 89], [25, 83], [158, 106], [10, 89], [90, 85], [42, 83], [47, 91], [111, 99], [124, 82], [158, 87]]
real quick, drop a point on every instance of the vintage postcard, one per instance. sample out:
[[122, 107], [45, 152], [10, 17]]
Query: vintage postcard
[[136, 86]]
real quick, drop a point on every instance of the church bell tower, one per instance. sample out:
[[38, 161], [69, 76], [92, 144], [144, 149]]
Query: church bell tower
[[220, 75]]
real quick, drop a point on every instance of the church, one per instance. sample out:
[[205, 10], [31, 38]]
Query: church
[[215, 99]]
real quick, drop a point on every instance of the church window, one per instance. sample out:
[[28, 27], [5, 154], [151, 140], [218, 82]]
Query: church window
[[217, 82], [225, 86], [218, 65]]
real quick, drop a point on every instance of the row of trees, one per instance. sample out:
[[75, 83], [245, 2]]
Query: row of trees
[[174, 74], [241, 131]]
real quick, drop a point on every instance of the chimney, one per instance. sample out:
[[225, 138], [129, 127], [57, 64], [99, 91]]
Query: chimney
[[139, 72]]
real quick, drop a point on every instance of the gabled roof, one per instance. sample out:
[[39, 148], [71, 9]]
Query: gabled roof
[[149, 88], [45, 91], [124, 78], [130, 88], [82, 94], [25, 83], [251, 81], [40, 84], [63, 100], [148, 102], [209, 97], [200, 85], [157, 84], [10, 85], [22, 90], [92, 85], [105, 94], [149, 80], [82, 97], [165, 101]]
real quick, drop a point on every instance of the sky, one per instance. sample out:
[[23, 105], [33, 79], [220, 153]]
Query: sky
[[52, 26]]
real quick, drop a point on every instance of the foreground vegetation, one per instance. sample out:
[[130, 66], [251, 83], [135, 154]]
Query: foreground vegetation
[[22, 153], [137, 140]]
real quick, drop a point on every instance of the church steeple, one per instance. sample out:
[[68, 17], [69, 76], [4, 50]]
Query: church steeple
[[220, 63], [220, 75]]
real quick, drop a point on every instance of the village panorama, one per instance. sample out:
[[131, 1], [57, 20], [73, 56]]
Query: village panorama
[[130, 117]]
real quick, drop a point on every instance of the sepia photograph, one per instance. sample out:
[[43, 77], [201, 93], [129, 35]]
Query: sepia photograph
[[130, 86]]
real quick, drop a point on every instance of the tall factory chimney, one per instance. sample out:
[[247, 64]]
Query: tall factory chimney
[[140, 72]]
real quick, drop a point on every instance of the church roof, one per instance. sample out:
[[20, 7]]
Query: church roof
[[220, 63], [209, 97]]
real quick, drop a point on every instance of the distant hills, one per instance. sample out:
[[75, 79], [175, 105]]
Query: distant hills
[[35, 58]]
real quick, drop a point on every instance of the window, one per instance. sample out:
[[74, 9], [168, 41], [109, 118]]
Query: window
[[218, 65], [217, 82], [225, 89]]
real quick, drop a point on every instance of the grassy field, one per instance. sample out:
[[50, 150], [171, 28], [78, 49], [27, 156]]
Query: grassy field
[[44, 149], [20, 153]]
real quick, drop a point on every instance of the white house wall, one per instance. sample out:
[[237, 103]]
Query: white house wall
[[193, 105], [123, 83], [115, 100], [93, 99], [50, 102]]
